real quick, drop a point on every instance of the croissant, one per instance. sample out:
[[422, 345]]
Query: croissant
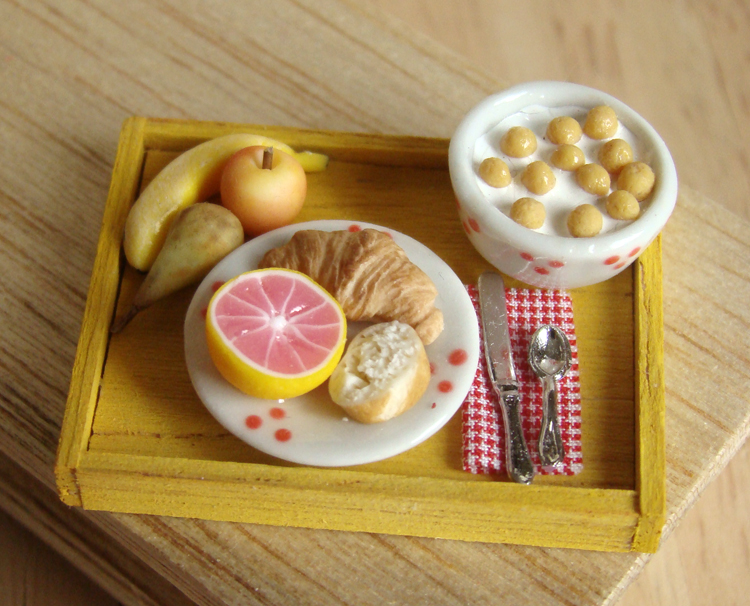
[[367, 273]]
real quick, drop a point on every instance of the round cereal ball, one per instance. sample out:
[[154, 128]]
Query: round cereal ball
[[585, 221], [528, 212], [601, 122], [518, 142], [568, 157], [495, 172], [563, 129], [538, 177], [615, 154], [594, 179], [638, 179], [622, 205]]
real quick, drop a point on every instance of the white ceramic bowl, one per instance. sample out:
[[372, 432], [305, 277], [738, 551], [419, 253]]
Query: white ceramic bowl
[[553, 259]]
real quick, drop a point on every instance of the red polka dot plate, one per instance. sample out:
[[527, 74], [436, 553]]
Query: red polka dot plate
[[311, 429]]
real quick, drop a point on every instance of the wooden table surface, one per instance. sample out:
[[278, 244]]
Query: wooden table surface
[[72, 71]]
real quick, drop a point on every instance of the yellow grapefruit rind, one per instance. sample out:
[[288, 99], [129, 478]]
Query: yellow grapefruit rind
[[253, 381]]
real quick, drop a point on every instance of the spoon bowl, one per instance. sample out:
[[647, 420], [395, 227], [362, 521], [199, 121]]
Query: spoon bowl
[[550, 358], [549, 352]]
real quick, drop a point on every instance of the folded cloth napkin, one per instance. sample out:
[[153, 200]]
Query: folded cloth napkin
[[483, 432]]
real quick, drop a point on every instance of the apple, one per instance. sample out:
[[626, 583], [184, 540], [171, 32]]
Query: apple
[[264, 187]]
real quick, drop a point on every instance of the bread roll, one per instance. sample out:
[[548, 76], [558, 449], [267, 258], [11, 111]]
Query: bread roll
[[383, 373]]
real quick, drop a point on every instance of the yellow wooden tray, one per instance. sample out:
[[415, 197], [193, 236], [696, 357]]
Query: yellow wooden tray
[[137, 439]]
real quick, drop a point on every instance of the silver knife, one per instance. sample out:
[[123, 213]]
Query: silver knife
[[503, 375]]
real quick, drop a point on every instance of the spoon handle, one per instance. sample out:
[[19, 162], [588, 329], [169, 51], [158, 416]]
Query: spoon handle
[[551, 449], [517, 459]]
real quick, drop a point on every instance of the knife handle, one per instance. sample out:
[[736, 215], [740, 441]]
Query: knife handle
[[517, 460], [551, 449]]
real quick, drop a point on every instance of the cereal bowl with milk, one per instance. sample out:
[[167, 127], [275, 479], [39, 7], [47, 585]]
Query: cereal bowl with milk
[[560, 185]]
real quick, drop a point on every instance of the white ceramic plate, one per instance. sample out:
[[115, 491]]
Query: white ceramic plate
[[311, 429]]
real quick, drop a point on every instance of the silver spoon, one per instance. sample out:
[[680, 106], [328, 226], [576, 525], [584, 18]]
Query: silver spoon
[[550, 358]]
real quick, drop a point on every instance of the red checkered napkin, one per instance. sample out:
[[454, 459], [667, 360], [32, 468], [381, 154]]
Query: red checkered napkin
[[483, 432]]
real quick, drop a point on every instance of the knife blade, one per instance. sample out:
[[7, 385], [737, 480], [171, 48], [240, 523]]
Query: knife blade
[[502, 374]]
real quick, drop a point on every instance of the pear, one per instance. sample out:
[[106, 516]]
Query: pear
[[191, 177], [200, 236]]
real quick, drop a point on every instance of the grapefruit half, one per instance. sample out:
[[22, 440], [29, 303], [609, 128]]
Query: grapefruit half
[[275, 333]]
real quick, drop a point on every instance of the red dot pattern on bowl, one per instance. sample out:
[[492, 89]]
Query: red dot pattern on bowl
[[470, 224], [615, 261], [541, 269], [618, 262]]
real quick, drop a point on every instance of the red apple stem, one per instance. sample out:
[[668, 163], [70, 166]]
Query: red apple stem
[[268, 158]]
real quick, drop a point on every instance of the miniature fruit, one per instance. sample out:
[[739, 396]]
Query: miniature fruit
[[192, 177], [264, 188], [274, 333], [198, 239]]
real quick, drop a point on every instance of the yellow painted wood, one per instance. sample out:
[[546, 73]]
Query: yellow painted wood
[[100, 303], [650, 389], [148, 445], [178, 135], [361, 501]]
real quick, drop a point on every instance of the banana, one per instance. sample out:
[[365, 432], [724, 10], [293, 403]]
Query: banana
[[192, 177]]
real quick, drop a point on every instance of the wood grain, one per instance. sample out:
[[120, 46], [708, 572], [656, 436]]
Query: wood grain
[[32, 573], [72, 71], [47, 580]]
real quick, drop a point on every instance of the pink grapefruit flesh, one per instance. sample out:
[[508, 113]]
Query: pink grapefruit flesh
[[275, 333]]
